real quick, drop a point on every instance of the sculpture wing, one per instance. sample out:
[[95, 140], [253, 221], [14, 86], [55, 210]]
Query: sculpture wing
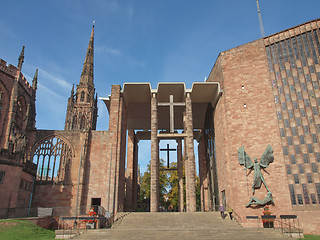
[[244, 158], [267, 156]]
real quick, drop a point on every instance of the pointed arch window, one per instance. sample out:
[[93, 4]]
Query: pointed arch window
[[82, 96], [83, 122], [74, 122], [52, 156]]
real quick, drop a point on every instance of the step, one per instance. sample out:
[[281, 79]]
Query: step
[[180, 234], [187, 226]]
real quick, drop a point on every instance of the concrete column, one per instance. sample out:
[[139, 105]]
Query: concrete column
[[122, 141], [113, 146], [154, 188], [135, 176], [203, 175], [185, 160], [191, 166], [180, 175], [116, 150], [130, 169]]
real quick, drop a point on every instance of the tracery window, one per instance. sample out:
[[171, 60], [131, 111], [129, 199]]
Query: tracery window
[[83, 122], [82, 96], [74, 122], [52, 156]]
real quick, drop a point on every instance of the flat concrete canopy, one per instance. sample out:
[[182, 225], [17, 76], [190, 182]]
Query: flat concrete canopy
[[138, 99]]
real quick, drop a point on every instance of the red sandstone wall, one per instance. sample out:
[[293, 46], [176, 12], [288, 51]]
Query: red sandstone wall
[[8, 75], [10, 186], [5, 86], [98, 165], [61, 194], [94, 174], [254, 127], [221, 129], [12, 195]]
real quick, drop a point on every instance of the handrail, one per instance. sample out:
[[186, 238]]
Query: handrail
[[290, 217], [236, 216], [70, 228], [280, 224]]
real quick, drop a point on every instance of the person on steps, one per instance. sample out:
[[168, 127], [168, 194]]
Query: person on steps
[[222, 211], [230, 211]]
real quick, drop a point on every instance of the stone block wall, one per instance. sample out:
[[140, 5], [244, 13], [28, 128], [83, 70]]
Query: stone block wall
[[246, 116], [94, 174], [98, 169], [16, 187]]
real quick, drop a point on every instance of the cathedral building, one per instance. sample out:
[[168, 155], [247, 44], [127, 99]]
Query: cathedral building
[[271, 97], [256, 121]]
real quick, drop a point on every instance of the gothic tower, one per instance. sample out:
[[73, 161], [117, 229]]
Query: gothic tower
[[82, 104]]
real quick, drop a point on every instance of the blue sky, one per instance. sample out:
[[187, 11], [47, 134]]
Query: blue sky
[[135, 41]]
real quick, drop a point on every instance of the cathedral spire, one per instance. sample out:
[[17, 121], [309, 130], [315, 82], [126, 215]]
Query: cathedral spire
[[35, 80], [87, 70], [21, 59], [82, 110], [72, 91]]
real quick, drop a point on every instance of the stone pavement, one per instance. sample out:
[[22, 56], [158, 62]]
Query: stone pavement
[[160, 225]]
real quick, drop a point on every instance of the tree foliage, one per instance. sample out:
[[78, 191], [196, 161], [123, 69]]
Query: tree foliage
[[169, 187], [145, 185], [173, 195]]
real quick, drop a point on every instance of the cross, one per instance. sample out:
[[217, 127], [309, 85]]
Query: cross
[[171, 104], [168, 151]]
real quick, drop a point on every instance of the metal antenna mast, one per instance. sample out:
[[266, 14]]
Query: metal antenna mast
[[260, 20]]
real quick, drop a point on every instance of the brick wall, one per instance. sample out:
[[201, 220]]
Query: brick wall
[[94, 173], [246, 115], [13, 193]]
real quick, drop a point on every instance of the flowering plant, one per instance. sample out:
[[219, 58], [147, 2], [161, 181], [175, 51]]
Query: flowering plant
[[91, 213], [267, 212]]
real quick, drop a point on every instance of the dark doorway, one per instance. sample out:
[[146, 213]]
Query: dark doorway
[[95, 201]]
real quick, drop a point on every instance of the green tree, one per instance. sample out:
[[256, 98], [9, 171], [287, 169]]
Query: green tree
[[168, 180], [174, 191], [145, 186], [198, 197], [173, 195]]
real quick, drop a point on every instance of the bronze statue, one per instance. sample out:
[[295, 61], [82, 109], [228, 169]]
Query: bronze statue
[[258, 178], [255, 201], [265, 160]]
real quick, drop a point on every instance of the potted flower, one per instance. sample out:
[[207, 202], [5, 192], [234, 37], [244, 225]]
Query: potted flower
[[267, 218], [91, 223]]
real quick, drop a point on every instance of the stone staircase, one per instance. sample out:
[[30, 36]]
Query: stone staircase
[[162, 225]]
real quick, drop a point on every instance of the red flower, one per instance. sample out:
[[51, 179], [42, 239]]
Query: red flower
[[267, 212]]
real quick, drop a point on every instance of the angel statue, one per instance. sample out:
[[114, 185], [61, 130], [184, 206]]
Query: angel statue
[[265, 160]]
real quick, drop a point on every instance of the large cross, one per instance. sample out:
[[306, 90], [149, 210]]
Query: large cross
[[171, 104], [168, 151]]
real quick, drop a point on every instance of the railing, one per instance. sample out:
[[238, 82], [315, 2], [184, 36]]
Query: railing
[[70, 230], [75, 225], [105, 217], [286, 224]]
